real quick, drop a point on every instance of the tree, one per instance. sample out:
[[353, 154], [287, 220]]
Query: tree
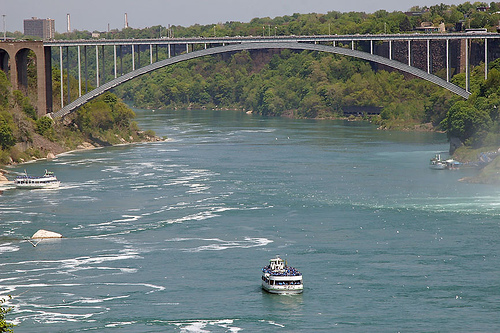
[[467, 123], [4, 326], [44, 127], [405, 24], [7, 138]]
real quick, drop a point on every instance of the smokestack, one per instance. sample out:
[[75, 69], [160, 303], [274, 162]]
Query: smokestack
[[126, 21], [69, 22]]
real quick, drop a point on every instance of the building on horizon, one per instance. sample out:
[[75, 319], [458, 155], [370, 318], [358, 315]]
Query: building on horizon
[[42, 28]]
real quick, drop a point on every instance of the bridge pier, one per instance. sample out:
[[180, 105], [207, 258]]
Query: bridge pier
[[14, 62]]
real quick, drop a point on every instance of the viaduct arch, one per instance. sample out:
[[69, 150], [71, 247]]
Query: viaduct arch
[[257, 46], [13, 61]]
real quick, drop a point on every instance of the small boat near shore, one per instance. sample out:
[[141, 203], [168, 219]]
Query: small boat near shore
[[279, 278], [437, 163], [47, 181]]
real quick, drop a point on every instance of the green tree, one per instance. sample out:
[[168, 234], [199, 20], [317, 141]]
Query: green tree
[[4, 325], [7, 139], [4, 90], [467, 123], [44, 126]]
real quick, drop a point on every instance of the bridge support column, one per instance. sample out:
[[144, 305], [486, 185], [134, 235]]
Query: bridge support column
[[390, 49], [409, 52], [17, 54], [139, 56], [486, 58], [467, 65], [150, 54], [133, 57], [79, 74], [62, 71], [67, 74], [45, 73], [168, 51], [428, 56], [86, 72], [121, 60], [114, 59], [447, 60], [371, 46], [97, 66], [103, 66]]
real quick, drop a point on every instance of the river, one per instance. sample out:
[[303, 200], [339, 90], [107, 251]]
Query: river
[[171, 236]]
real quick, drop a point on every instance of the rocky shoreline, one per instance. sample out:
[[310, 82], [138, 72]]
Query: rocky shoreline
[[52, 150]]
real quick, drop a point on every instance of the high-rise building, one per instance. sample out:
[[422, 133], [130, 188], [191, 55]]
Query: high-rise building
[[42, 28]]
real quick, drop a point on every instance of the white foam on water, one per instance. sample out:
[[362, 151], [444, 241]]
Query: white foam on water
[[154, 288], [200, 326], [8, 247], [272, 323], [47, 317], [89, 300], [193, 217], [138, 187], [112, 224], [218, 244], [128, 218], [271, 130], [120, 323]]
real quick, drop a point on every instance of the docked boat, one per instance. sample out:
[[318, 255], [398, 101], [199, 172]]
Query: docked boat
[[279, 278], [437, 163], [47, 181]]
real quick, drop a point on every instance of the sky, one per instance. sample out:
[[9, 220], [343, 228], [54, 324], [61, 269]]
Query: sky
[[95, 15]]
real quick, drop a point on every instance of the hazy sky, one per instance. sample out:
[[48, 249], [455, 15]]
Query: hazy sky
[[97, 14]]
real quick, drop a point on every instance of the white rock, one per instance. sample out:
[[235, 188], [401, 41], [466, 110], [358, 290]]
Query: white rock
[[46, 234]]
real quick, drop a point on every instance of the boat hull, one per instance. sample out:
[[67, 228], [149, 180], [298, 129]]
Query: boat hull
[[438, 166], [34, 186], [284, 290]]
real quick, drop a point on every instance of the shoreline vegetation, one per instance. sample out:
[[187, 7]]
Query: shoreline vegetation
[[25, 137]]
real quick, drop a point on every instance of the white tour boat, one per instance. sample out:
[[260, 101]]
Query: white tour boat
[[437, 163], [47, 181], [278, 278]]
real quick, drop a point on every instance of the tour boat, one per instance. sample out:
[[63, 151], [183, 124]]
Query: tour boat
[[279, 278], [47, 181], [437, 163]]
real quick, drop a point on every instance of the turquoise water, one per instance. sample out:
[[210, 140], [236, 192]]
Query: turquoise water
[[171, 236]]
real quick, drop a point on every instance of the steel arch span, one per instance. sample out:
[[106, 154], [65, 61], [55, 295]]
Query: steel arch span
[[258, 46]]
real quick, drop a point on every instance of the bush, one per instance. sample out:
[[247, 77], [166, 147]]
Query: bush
[[43, 125], [7, 138], [5, 326]]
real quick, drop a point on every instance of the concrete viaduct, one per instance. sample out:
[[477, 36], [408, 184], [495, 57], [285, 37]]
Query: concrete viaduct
[[13, 58]]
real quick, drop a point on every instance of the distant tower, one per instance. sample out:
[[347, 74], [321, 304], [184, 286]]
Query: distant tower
[[126, 21], [69, 22]]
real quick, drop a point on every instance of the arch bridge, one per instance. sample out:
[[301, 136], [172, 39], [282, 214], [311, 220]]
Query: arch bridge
[[415, 54]]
